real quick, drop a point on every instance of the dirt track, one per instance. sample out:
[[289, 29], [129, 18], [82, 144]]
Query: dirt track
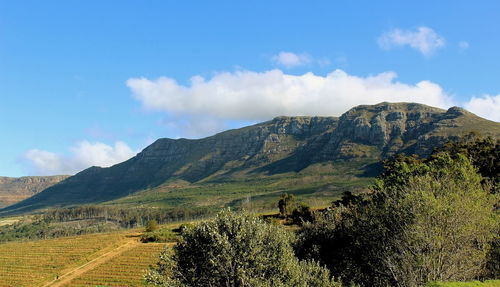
[[76, 272]]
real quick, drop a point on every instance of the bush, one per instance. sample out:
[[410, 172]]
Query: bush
[[236, 250], [301, 214], [183, 227], [159, 236], [151, 226]]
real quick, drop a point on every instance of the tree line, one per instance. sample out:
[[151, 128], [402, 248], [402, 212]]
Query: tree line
[[93, 219]]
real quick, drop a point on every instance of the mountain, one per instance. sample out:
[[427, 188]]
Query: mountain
[[14, 189], [342, 149]]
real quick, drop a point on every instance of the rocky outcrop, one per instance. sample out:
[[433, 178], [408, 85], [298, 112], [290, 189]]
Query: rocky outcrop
[[284, 144], [14, 189], [388, 128]]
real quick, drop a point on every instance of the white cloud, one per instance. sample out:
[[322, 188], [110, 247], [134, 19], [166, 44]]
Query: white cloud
[[290, 60], [486, 106], [252, 96], [424, 39], [85, 154], [194, 126]]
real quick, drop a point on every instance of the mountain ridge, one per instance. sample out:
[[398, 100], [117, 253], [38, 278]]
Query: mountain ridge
[[366, 133], [14, 189]]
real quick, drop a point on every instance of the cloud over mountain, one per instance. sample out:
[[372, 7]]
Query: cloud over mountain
[[486, 106], [251, 96]]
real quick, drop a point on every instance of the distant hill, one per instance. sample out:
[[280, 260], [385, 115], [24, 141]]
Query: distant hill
[[15, 189], [292, 146]]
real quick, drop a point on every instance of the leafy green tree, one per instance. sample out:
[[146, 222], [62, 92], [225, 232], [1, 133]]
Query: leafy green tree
[[484, 154], [451, 228], [492, 270], [236, 250], [425, 220]]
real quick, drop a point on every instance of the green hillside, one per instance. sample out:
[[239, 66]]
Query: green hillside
[[315, 157]]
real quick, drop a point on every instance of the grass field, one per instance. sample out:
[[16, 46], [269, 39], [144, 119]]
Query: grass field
[[35, 263], [317, 186], [127, 269]]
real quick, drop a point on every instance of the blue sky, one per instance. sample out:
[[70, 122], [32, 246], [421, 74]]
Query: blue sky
[[93, 82]]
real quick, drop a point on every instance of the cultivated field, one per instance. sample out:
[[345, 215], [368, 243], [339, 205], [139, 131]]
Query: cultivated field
[[126, 269], [36, 263]]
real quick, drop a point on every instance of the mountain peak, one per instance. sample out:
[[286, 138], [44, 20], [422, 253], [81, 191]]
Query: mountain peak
[[366, 133]]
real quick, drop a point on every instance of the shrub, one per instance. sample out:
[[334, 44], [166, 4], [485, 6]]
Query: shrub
[[301, 214], [236, 250], [151, 226], [159, 236]]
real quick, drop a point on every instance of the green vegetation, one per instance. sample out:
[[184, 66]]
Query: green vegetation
[[36, 228], [487, 283], [294, 212], [161, 234], [236, 250], [286, 204], [151, 226], [426, 220], [92, 219], [483, 154], [317, 186], [315, 158]]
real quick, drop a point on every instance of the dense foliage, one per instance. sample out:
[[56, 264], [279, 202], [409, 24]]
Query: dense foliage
[[486, 283], [293, 211], [236, 250], [426, 220], [484, 154]]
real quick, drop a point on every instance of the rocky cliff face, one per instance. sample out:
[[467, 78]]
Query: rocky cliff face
[[383, 130], [284, 144], [14, 189]]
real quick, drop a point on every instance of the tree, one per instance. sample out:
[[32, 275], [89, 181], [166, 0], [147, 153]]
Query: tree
[[236, 250], [484, 154], [452, 226], [302, 213], [286, 204], [425, 220]]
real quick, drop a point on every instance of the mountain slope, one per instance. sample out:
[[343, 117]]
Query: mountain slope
[[362, 135], [14, 189]]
